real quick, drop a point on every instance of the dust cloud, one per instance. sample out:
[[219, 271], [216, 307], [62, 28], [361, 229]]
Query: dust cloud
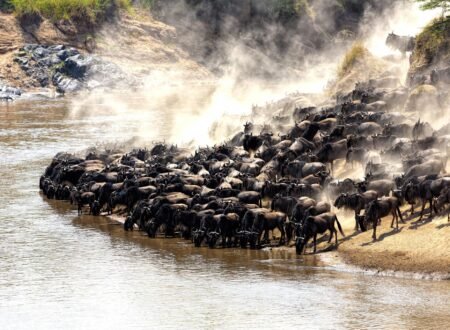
[[193, 112]]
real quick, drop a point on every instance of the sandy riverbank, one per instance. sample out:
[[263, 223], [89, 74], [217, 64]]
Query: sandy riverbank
[[415, 247]]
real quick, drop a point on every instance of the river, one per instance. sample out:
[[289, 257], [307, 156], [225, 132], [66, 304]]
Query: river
[[58, 270]]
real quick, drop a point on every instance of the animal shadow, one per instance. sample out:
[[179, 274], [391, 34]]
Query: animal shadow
[[443, 225], [383, 236]]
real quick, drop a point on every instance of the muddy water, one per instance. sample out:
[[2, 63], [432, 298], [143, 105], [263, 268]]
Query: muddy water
[[61, 271]]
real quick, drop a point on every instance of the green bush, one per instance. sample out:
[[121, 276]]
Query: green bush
[[67, 9]]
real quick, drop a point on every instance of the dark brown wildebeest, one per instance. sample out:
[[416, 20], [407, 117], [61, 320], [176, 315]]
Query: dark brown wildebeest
[[380, 208], [428, 189], [265, 222], [355, 202], [86, 198], [444, 198], [315, 225], [382, 187], [332, 151]]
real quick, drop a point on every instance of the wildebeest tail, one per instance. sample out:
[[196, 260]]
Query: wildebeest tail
[[339, 226]]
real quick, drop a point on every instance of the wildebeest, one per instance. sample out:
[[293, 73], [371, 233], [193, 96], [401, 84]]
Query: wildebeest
[[382, 187], [251, 142], [428, 189], [250, 197], [356, 202], [315, 225], [284, 204], [380, 208], [332, 151], [86, 198], [227, 227], [402, 43], [442, 200], [265, 222]]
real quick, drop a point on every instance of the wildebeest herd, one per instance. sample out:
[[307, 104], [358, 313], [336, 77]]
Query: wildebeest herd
[[237, 193]]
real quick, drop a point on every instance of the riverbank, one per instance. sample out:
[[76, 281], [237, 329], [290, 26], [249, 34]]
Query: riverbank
[[420, 248]]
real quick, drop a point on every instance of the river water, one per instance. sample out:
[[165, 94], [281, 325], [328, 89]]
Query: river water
[[60, 271]]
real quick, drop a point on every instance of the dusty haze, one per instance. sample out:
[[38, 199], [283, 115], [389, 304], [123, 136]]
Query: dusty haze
[[208, 111]]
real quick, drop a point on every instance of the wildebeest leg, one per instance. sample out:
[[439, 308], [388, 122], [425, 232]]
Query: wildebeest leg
[[431, 208], [357, 212], [331, 235], [266, 235], [400, 215], [335, 237], [394, 216], [283, 234], [421, 212], [374, 235], [315, 239]]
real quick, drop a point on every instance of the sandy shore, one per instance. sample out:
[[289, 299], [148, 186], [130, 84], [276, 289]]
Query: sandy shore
[[416, 247]]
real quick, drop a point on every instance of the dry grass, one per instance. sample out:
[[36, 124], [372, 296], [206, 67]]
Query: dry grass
[[356, 55]]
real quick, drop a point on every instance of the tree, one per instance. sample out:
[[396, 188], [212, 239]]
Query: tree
[[433, 4]]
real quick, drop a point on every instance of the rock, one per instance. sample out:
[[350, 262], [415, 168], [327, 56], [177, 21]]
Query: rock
[[68, 70], [77, 66], [66, 84], [65, 53], [40, 52], [8, 93]]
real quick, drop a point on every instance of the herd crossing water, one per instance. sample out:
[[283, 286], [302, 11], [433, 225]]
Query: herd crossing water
[[64, 271]]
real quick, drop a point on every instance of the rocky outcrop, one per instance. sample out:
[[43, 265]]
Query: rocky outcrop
[[68, 70], [8, 93]]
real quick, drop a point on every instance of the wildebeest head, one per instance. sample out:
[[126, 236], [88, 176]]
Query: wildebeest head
[[212, 238], [300, 244], [151, 227], [361, 186], [248, 127], [341, 200], [399, 181]]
